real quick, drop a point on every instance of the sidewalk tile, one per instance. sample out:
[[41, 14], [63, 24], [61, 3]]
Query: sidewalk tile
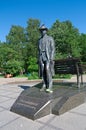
[[7, 117]]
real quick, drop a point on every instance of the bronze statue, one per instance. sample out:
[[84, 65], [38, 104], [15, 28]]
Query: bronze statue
[[46, 49]]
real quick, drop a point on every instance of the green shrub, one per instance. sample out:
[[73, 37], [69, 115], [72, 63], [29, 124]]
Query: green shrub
[[13, 67], [33, 75]]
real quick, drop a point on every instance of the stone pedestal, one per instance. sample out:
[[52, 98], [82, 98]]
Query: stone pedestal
[[34, 104]]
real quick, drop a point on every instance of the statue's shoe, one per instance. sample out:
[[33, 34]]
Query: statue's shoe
[[49, 90], [42, 89]]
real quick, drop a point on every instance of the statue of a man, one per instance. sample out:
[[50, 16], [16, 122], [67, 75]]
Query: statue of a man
[[46, 49]]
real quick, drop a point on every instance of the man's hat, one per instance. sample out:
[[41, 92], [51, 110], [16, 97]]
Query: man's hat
[[43, 28]]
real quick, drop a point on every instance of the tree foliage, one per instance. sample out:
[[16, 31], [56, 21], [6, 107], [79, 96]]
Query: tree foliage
[[19, 52], [83, 47], [32, 34], [66, 38], [13, 67]]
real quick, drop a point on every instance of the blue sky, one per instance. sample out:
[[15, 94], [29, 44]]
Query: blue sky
[[17, 12]]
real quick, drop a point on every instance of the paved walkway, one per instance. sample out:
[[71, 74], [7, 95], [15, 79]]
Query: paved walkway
[[11, 80], [75, 119]]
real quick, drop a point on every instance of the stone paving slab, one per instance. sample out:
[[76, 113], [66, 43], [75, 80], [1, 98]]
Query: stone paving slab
[[7, 117]]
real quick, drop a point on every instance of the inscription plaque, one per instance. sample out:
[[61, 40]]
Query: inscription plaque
[[30, 105]]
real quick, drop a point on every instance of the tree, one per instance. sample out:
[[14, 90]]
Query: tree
[[83, 47], [16, 39], [9, 58], [16, 35], [32, 35], [32, 31], [66, 38]]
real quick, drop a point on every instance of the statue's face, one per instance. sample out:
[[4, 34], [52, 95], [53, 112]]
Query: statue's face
[[43, 32]]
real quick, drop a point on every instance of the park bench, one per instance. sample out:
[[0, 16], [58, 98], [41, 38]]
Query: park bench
[[70, 66]]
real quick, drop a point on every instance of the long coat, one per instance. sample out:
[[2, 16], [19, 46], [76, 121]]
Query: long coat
[[49, 51]]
